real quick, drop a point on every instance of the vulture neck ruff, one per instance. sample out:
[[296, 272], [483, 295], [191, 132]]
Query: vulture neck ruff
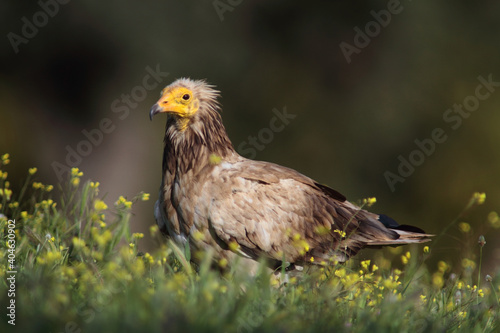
[[191, 143]]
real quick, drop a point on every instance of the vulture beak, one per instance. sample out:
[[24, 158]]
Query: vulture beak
[[154, 110], [172, 102]]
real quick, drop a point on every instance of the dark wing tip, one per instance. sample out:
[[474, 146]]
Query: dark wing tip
[[392, 224], [387, 221]]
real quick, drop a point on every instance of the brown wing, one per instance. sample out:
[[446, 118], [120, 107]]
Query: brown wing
[[273, 211], [165, 212]]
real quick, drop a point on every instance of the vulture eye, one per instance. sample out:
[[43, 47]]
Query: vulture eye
[[186, 97]]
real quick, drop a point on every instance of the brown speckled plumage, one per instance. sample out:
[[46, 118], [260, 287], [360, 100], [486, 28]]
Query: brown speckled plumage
[[266, 209]]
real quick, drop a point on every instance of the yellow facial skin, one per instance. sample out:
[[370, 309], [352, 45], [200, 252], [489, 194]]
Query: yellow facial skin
[[178, 101]]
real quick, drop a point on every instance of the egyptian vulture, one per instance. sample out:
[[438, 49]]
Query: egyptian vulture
[[217, 200]]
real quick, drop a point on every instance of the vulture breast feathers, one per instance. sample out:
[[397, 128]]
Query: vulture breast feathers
[[217, 200]]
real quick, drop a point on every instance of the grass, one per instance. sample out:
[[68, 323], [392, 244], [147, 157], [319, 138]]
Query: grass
[[79, 269]]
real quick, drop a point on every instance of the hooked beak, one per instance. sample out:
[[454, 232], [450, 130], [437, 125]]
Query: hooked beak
[[169, 104], [154, 110]]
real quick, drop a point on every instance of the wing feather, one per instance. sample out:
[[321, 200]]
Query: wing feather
[[273, 211]]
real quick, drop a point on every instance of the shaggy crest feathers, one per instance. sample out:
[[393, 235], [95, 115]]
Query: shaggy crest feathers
[[204, 91]]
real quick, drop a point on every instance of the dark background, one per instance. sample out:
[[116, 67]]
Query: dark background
[[353, 119]]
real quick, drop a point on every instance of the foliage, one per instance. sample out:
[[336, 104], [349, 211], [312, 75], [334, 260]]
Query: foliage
[[79, 269]]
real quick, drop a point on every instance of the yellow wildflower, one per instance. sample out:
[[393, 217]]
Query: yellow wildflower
[[450, 306], [340, 232], [6, 193], [32, 171], [75, 172], [322, 230], [49, 258], [223, 263], [464, 227], [138, 235], [494, 220], [75, 181], [198, 235], [100, 205], [233, 246], [437, 280], [479, 198], [405, 258], [104, 238], [78, 243], [340, 272], [391, 283], [214, 159], [365, 264], [122, 201], [443, 266], [153, 230], [468, 264], [5, 159], [148, 258], [369, 201]]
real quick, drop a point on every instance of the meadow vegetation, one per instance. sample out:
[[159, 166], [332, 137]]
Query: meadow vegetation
[[79, 268]]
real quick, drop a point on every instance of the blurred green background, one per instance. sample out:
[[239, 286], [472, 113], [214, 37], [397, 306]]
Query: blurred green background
[[353, 118]]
